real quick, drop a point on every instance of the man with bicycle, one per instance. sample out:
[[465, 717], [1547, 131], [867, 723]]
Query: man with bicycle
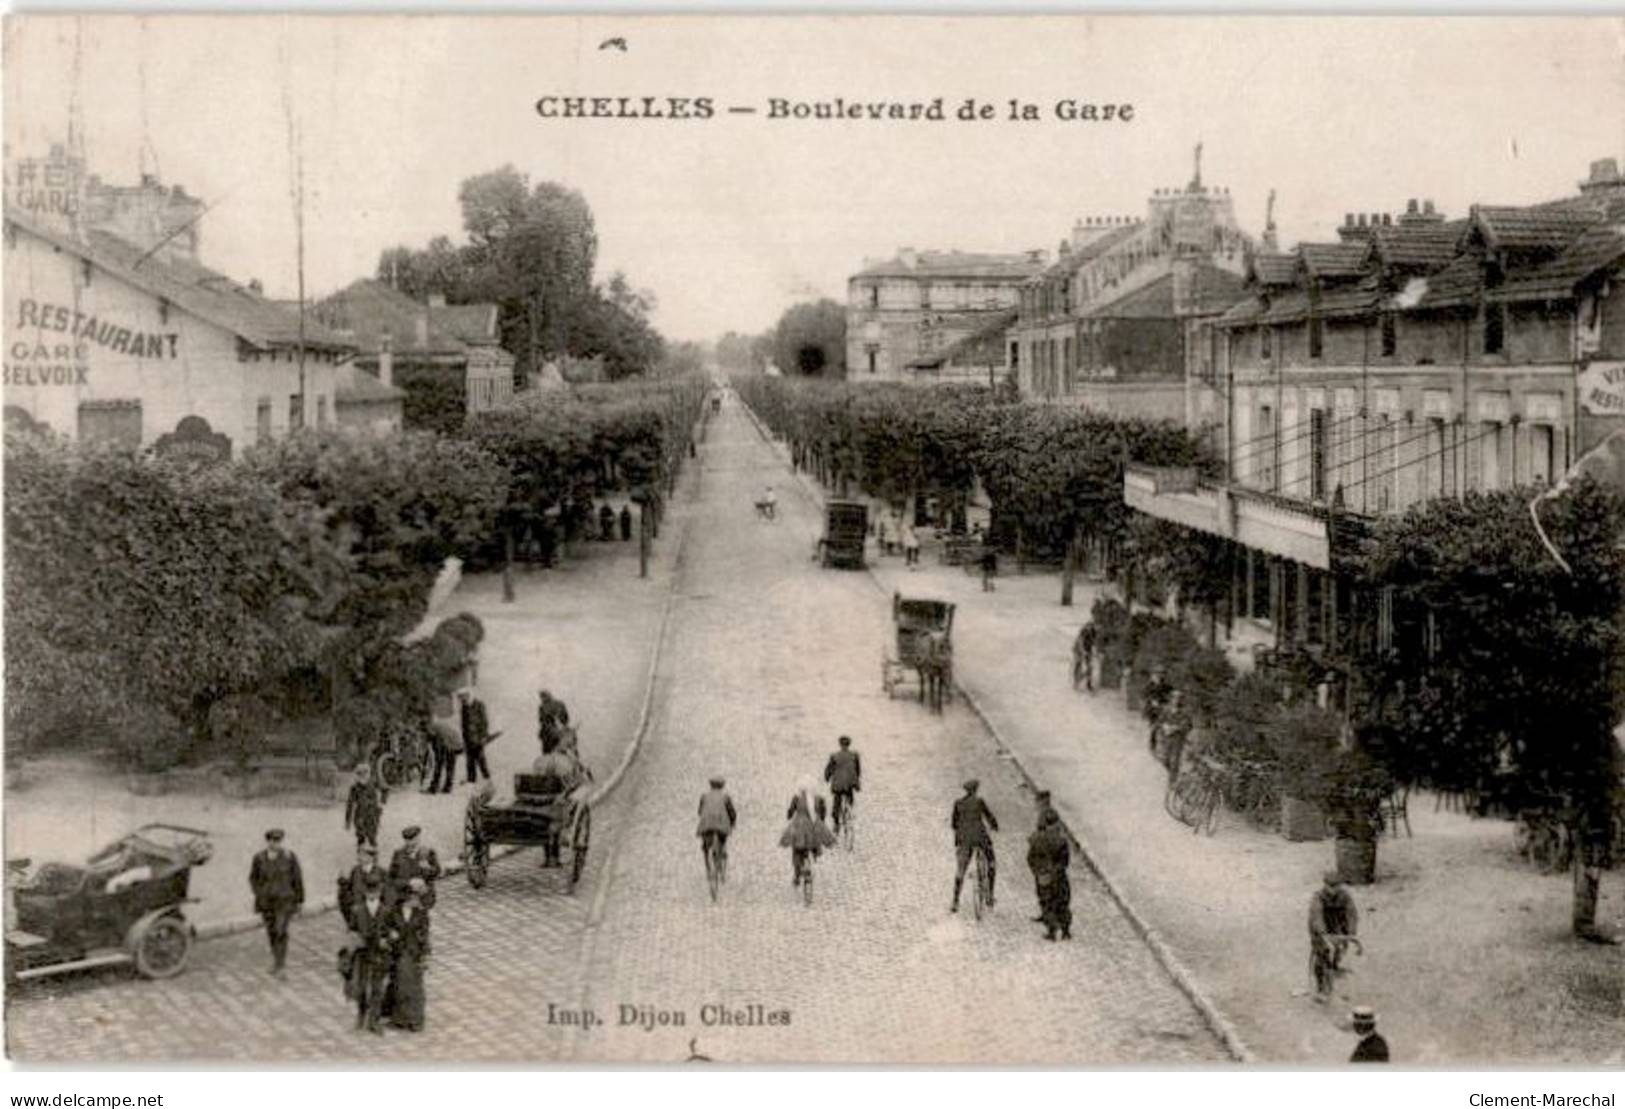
[[844, 773], [717, 819], [970, 820]]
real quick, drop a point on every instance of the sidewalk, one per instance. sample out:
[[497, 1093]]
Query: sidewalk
[[1468, 954], [585, 629]]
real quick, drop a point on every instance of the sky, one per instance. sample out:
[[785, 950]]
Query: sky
[[731, 219]]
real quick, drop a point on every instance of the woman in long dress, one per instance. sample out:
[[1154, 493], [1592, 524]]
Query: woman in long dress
[[806, 834], [409, 924]]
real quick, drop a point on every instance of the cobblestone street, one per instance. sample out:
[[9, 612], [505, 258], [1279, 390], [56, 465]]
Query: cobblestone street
[[767, 660]]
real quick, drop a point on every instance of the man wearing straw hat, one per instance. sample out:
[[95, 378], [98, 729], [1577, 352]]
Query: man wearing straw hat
[[1372, 1048]]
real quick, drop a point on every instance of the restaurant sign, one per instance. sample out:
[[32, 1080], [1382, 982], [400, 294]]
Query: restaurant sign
[[1602, 388]]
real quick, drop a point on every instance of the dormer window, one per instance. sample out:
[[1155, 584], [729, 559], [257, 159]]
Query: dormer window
[[1390, 334], [1317, 337], [1495, 327]]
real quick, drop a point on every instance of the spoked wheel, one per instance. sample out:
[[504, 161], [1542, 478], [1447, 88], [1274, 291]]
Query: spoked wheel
[[980, 903], [386, 768], [476, 852], [161, 946], [806, 883], [580, 839], [847, 834], [713, 869]]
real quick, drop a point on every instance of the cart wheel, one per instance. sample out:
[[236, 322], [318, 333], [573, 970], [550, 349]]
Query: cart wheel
[[476, 853], [387, 769], [161, 946], [580, 839]]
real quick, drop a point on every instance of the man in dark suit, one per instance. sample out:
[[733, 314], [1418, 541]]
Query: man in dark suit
[[351, 884], [413, 859], [279, 891], [370, 968], [1372, 1048], [970, 820], [476, 734]]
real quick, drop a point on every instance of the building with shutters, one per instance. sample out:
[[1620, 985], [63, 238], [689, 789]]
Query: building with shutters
[[1416, 357]]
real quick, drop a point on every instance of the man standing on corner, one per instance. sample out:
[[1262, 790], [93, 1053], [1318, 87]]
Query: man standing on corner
[[279, 891]]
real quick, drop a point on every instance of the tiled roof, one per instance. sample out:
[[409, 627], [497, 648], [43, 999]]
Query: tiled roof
[[1454, 285], [1425, 246], [1545, 227], [354, 385], [1351, 300], [1334, 260], [1149, 302], [472, 323], [1274, 269], [954, 263], [1597, 248], [1074, 260], [1290, 305], [1245, 312], [369, 309], [194, 288]]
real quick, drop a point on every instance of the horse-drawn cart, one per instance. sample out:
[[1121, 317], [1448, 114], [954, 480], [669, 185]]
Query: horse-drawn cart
[[549, 811], [924, 644]]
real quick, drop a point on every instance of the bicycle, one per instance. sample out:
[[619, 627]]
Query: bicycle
[[844, 814], [1193, 797], [716, 864], [983, 900]]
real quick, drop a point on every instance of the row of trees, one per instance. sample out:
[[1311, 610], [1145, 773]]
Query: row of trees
[[135, 581], [531, 250]]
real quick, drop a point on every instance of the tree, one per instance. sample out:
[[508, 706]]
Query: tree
[[439, 268], [612, 322], [810, 340]]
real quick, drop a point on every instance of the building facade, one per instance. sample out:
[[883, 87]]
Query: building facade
[[1109, 325], [445, 358], [1415, 358], [919, 304], [109, 341]]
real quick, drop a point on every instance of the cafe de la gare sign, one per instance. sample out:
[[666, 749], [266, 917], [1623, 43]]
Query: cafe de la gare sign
[[52, 344]]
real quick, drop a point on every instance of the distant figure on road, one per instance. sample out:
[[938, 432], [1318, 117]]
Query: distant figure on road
[[844, 773], [1048, 856], [1333, 920], [911, 546], [606, 523], [1083, 657], [990, 567], [1372, 1048], [279, 891], [364, 807], [970, 820], [626, 523]]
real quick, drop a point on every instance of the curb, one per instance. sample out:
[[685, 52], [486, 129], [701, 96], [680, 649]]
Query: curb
[[1187, 982], [237, 925]]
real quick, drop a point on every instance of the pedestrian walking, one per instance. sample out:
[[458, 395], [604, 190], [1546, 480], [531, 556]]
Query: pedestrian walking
[[990, 567], [1333, 922], [606, 523], [364, 807], [413, 860], [626, 523], [408, 931], [279, 891], [911, 547], [373, 953], [446, 742], [1083, 657], [881, 544], [476, 729], [1372, 1048], [351, 883], [1048, 856]]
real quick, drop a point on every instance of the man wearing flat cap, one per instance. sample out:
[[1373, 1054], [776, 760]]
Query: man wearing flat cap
[[1333, 922], [970, 820], [279, 890], [413, 859], [1372, 1048]]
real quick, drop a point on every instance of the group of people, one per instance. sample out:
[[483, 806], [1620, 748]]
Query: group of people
[[607, 519], [893, 534]]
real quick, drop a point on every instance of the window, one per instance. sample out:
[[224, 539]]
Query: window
[[1384, 467], [874, 296], [1437, 459], [262, 420], [1495, 326], [296, 412], [1264, 342], [1317, 337], [925, 294], [873, 354], [321, 411], [1489, 457], [1266, 449], [1015, 355], [1317, 454], [111, 421], [1390, 334]]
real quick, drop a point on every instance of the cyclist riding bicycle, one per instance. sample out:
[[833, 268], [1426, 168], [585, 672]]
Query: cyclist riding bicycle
[[844, 773], [806, 834], [717, 819], [769, 503], [970, 820]]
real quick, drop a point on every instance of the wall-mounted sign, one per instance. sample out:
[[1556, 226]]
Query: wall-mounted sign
[[193, 440], [1602, 388]]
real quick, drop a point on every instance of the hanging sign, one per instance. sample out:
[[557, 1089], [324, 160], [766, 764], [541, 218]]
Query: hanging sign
[[1602, 388]]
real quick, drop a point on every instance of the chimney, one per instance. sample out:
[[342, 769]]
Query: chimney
[[1411, 208], [437, 300], [386, 358], [1604, 175]]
